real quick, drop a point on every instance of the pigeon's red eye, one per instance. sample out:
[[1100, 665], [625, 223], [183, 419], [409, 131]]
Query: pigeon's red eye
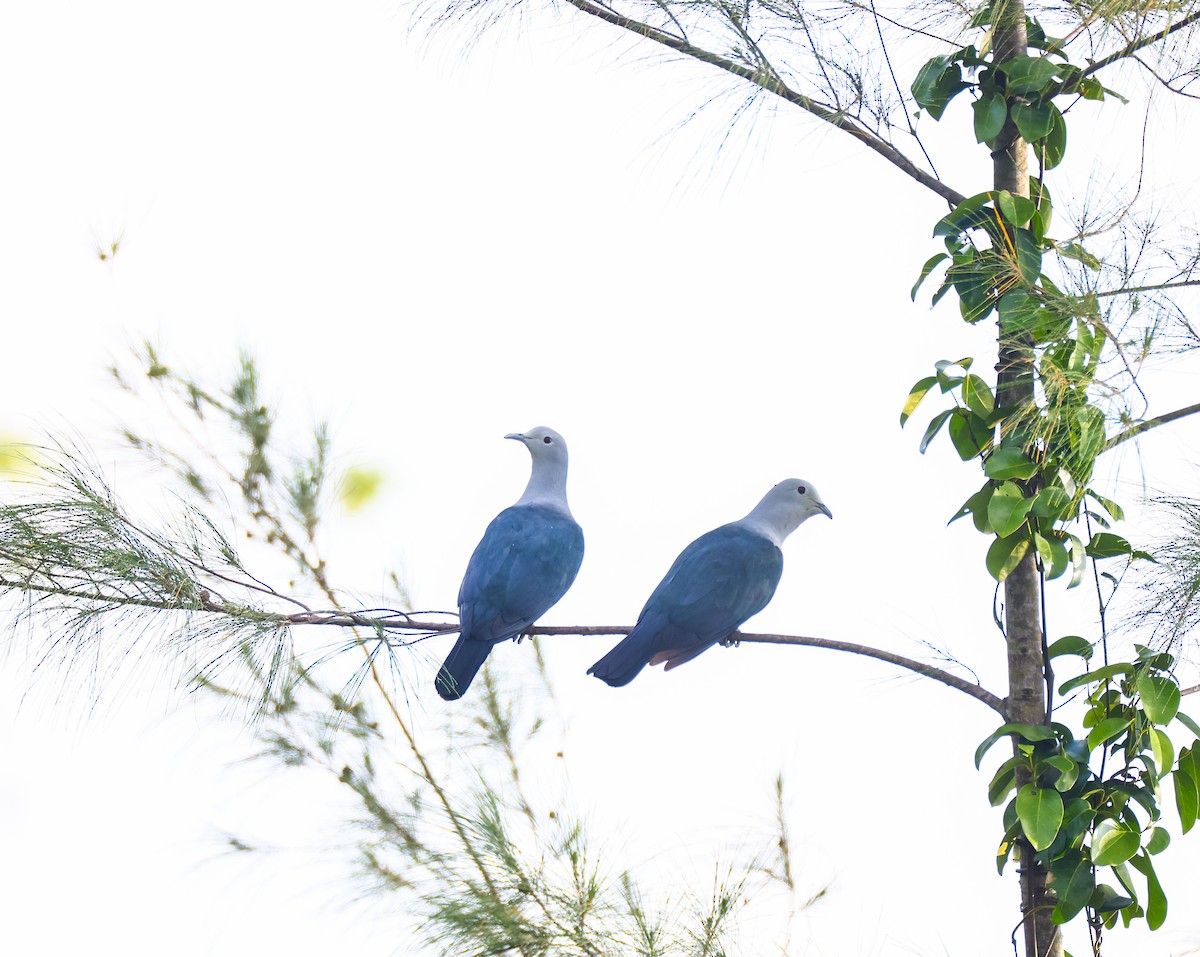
[[547, 439], [801, 489]]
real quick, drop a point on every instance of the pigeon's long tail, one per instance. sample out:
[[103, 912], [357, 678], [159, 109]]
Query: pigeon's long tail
[[621, 665], [462, 664]]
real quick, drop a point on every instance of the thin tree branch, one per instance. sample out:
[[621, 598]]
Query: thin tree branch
[[391, 621], [1192, 690], [1153, 287], [1134, 45], [1149, 424], [773, 84]]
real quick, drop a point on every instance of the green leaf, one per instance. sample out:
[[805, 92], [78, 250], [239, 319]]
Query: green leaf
[[1008, 508], [966, 215], [1029, 256], [1009, 463], [1033, 120], [1100, 674], [969, 433], [1160, 697], [1106, 730], [1108, 545], [1058, 555], [1040, 811], [1005, 554], [1003, 781], [1026, 74], [990, 114], [1016, 210], [937, 83], [1105, 899], [1068, 771], [930, 264], [1074, 881], [1115, 842], [976, 507], [1028, 732], [1187, 798], [978, 396], [1070, 645], [1077, 818], [1159, 841], [1079, 254], [1156, 900], [915, 395], [934, 428], [1078, 560], [1054, 147], [1161, 749]]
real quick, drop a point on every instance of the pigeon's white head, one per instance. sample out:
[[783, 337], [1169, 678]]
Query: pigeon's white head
[[784, 508], [548, 480]]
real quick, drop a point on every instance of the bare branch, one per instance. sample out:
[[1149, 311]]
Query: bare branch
[[1135, 45], [1149, 424], [771, 83]]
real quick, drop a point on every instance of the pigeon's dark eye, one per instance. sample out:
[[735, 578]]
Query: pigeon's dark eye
[[547, 439], [801, 489]]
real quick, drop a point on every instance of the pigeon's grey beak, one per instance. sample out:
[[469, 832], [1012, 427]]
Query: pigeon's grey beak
[[519, 436], [825, 508]]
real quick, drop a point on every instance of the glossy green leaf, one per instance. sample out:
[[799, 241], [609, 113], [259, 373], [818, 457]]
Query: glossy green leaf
[[1160, 697], [978, 396], [1079, 254], [1003, 781], [1077, 818], [1105, 899], [1070, 645], [1009, 463], [1005, 554], [1078, 560], [1029, 256], [1059, 560], [934, 428], [990, 113], [937, 83], [1159, 841], [1053, 148], [1051, 502], [1040, 194], [1106, 730], [1187, 799], [1034, 120], [969, 434], [1026, 74], [1040, 811], [1027, 732], [1115, 842], [1008, 508], [915, 395], [1074, 881], [1068, 772], [976, 507], [1156, 900], [1108, 545], [930, 264], [1161, 749], [1100, 674]]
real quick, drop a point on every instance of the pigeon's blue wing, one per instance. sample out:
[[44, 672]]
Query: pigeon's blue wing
[[715, 584], [526, 561]]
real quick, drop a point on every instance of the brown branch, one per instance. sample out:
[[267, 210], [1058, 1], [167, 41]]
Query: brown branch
[[771, 82], [1192, 690], [1136, 430], [1134, 45]]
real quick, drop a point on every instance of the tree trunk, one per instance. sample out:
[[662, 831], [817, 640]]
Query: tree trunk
[[1022, 589]]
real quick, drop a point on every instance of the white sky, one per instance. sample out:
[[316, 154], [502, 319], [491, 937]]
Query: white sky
[[432, 248]]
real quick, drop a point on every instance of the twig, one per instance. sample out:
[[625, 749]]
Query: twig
[[1136, 430], [772, 84]]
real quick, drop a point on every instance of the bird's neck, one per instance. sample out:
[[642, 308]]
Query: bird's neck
[[775, 523], [547, 486]]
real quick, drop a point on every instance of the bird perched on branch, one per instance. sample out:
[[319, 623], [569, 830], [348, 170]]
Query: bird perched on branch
[[526, 561], [716, 583]]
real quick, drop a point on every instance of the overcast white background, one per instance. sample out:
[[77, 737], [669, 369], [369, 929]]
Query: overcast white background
[[432, 245]]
